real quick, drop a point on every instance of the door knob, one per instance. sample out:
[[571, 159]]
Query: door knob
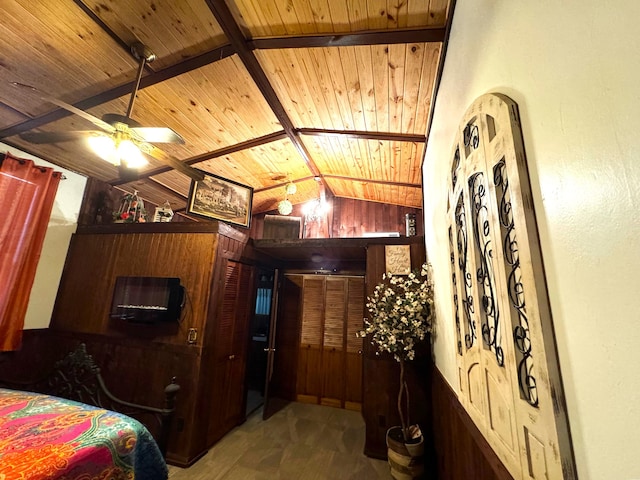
[[231, 357]]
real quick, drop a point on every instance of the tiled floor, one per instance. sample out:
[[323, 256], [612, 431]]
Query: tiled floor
[[301, 442]]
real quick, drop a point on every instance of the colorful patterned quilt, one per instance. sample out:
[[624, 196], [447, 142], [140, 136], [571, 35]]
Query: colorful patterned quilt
[[45, 437]]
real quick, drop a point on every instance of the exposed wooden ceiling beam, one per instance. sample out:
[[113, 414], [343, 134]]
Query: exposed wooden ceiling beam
[[340, 177], [280, 185], [125, 89], [254, 142], [105, 28], [275, 136], [380, 37], [377, 182], [385, 136], [231, 29], [168, 189]]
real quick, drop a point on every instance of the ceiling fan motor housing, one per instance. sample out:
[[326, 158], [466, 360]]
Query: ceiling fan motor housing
[[140, 51]]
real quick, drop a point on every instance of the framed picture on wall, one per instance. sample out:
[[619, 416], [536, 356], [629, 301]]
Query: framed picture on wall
[[221, 199], [397, 259]]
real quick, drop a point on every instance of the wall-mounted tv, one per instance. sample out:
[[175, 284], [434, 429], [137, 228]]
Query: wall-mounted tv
[[147, 300]]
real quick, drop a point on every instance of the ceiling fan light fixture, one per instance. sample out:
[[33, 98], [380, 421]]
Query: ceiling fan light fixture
[[131, 155], [105, 148], [123, 152]]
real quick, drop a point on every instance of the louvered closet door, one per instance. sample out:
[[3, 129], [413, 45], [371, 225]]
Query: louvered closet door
[[311, 339], [230, 348], [353, 344], [330, 355], [333, 374]]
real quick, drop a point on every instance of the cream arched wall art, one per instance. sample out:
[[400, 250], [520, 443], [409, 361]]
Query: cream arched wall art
[[508, 369]]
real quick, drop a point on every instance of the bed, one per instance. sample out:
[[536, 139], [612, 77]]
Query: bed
[[66, 426]]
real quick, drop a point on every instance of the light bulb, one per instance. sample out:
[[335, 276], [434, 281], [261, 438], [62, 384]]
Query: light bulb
[[126, 152], [105, 148], [131, 155], [311, 206]]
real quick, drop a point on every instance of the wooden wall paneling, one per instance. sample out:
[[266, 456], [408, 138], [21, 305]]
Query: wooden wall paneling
[[461, 450], [381, 372], [351, 218], [95, 260]]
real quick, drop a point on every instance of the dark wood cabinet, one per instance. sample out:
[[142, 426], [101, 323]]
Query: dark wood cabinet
[[212, 261]]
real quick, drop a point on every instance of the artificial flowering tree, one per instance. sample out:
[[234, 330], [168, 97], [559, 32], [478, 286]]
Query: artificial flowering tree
[[400, 316]]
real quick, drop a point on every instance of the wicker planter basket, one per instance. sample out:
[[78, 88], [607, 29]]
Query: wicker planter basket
[[406, 460]]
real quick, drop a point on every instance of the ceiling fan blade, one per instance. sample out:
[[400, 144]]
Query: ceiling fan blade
[[157, 135], [171, 161], [57, 137], [81, 113]]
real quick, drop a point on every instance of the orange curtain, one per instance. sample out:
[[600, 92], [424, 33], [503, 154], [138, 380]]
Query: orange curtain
[[27, 194]]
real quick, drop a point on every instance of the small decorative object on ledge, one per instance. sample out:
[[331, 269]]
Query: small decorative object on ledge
[[163, 213], [410, 220], [400, 316], [131, 209]]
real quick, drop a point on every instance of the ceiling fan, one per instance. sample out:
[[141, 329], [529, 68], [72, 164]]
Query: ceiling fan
[[120, 140]]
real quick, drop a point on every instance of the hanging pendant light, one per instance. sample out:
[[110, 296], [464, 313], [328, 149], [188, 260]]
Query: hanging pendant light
[[291, 188], [285, 207]]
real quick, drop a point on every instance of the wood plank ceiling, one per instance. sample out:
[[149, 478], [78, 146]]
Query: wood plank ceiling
[[263, 91]]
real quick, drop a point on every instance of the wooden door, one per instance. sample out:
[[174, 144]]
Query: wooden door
[[284, 340], [354, 344], [330, 354], [311, 340], [230, 346]]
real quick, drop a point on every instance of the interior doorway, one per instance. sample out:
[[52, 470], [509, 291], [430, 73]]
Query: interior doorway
[[259, 337]]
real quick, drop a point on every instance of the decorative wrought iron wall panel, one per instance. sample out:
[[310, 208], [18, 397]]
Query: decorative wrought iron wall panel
[[499, 288], [490, 312], [454, 282]]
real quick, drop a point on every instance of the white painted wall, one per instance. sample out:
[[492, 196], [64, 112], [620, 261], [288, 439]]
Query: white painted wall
[[62, 224], [574, 69]]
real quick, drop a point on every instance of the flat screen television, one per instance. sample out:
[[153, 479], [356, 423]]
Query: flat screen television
[[147, 300]]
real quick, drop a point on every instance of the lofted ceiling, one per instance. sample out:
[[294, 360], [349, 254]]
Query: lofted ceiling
[[263, 92]]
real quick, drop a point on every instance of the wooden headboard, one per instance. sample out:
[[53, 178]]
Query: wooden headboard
[[77, 377]]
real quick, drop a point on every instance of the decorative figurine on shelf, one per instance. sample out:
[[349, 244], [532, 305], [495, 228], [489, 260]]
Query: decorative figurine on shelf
[[164, 213], [131, 209]]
